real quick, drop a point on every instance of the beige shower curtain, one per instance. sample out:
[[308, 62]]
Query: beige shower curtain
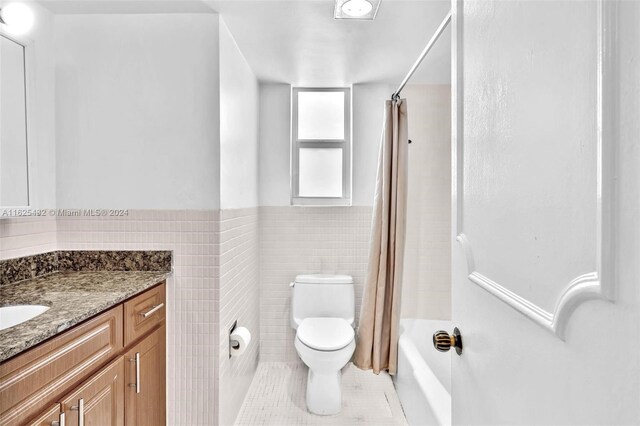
[[377, 341]]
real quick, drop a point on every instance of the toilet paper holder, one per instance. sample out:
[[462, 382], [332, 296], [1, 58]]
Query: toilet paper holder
[[233, 343]]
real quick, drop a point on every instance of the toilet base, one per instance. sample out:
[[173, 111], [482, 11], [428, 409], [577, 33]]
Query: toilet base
[[324, 393]]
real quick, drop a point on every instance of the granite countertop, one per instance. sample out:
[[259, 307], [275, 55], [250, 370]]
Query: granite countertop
[[72, 297]]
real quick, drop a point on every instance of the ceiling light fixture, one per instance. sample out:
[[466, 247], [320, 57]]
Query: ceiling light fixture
[[356, 9], [17, 17]]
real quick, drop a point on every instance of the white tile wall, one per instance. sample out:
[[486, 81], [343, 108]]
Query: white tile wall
[[295, 240], [215, 282], [26, 236], [426, 289], [191, 295], [239, 300], [234, 264]]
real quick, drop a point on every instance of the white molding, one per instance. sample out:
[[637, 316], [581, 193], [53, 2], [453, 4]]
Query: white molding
[[591, 285], [457, 117]]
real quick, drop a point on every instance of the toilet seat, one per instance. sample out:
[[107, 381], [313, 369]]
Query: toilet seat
[[325, 334]]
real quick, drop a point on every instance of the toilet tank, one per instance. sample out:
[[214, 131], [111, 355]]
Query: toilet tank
[[322, 295]]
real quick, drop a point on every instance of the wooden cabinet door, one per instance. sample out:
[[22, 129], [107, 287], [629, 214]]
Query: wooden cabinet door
[[51, 417], [98, 401], [143, 313], [31, 382], [145, 381]]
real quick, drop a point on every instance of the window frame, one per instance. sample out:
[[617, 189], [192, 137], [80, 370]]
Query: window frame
[[344, 144]]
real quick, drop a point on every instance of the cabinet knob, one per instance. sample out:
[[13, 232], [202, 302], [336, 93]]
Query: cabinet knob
[[443, 341]]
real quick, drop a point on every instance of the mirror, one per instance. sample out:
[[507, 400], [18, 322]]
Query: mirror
[[14, 168]]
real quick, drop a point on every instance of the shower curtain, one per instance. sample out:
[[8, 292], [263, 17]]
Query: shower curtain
[[377, 341]]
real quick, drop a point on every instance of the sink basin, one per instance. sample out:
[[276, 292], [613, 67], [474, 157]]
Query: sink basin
[[14, 315]]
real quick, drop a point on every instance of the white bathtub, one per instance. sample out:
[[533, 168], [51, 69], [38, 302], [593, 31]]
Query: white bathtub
[[423, 379]]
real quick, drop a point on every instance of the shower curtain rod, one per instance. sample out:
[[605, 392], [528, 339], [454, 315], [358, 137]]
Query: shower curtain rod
[[426, 50]]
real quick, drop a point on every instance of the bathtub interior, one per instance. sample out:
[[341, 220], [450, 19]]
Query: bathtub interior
[[420, 332], [423, 379]]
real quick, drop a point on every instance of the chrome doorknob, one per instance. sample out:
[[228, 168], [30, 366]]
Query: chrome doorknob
[[443, 341]]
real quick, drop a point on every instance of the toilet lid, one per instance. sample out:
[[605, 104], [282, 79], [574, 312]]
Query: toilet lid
[[325, 334]]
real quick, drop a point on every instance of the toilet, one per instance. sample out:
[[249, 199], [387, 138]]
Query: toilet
[[322, 313]]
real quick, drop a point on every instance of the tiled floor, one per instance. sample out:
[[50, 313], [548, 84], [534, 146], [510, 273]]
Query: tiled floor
[[277, 397]]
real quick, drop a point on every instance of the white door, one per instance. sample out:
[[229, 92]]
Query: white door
[[546, 275]]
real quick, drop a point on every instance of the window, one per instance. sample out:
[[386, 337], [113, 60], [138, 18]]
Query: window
[[321, 147]]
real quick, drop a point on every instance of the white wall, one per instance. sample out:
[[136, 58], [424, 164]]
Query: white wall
[[426, 283], [238, 127], [275, 141], [137, 111], [368, 115], [239, 286], [43, 143], [275, 144]]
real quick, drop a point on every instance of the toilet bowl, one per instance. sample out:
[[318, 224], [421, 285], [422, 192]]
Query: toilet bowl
[[325, 345], [322, 313]]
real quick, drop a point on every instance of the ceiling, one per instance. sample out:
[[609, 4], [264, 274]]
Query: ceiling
[[77, 7], [298, 41]]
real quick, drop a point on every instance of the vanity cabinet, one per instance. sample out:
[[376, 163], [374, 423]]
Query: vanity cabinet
[[99, 400], [145, 390], [93, 370], [143, 313], [51, 417], [40, 375]]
